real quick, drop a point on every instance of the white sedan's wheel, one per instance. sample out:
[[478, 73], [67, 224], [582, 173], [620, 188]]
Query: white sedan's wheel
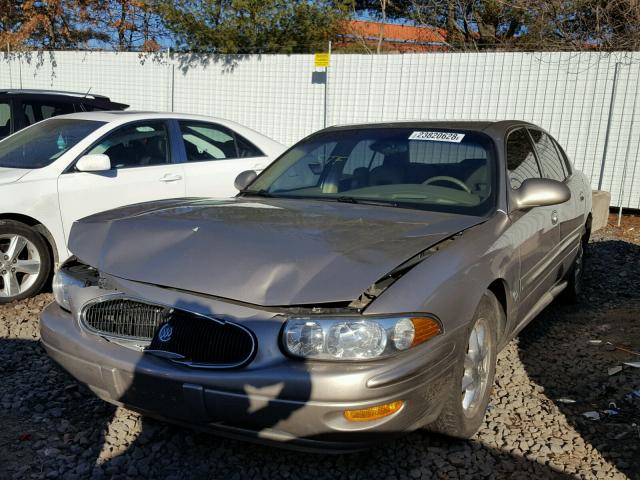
[[24, 261], [19, 265]]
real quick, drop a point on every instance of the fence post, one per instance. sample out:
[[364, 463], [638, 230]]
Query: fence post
[[609, 120], [9, 64], [326, 89], [171, 71], [626, 157]]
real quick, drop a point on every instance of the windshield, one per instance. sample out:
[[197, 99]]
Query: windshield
[[422, 168], [43, 143]]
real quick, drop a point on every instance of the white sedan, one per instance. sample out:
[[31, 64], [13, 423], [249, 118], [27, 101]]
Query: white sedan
[[71, 166]]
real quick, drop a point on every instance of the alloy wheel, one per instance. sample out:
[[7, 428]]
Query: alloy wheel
[[477, 366], [20, 265]]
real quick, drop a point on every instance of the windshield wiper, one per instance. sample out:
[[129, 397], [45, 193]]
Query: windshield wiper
[[364, 201], [256, 193], [346, 200]]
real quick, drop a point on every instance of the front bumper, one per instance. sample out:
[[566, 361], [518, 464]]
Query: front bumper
[[290, 402]]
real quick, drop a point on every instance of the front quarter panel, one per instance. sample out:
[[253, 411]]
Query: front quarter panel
[[450, 283]]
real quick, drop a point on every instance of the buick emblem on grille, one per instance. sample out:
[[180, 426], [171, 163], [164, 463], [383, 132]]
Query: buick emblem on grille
[[164, 335]]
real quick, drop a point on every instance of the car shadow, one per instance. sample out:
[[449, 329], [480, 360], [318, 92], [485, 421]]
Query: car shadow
[[54, 427], [61, 429], [573, 341]]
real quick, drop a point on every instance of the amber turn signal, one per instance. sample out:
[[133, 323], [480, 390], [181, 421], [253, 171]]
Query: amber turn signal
[[425, 328], [373, 413]]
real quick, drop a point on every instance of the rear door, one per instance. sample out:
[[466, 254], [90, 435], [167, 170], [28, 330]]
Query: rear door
[[142, 170], [537, 229], [213, 157]]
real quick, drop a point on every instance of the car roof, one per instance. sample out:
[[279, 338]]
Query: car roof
[[26, 91], [488, 126], [133, 115]]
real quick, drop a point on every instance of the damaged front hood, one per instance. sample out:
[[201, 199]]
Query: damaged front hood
[[266, 252]]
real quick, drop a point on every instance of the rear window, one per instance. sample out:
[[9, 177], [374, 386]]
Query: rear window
[[45, 142]]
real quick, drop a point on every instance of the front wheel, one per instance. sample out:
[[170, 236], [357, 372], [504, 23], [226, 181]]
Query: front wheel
[[472, 378], [25, 261]]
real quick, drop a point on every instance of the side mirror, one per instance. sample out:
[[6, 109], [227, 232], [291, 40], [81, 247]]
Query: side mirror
[[244, 179], [540, 192], [97, 162]]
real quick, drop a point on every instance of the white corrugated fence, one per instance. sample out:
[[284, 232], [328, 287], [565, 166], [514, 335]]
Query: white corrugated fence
[[587, 100]]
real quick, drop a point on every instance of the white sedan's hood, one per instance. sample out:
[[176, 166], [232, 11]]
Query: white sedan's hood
[[10, 175]]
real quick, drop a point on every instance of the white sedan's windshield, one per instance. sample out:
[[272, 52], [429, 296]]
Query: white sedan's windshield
[[41, 144], [424, 168]]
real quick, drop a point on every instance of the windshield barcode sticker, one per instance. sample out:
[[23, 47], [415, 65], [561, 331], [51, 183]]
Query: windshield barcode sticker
[[437, 136]]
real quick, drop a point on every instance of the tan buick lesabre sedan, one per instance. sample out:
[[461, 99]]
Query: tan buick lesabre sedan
[[360, 287]]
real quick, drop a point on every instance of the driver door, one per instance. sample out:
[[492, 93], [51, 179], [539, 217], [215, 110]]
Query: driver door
[[536, 230], [142, 170]]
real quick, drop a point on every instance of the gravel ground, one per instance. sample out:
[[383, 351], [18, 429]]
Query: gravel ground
[[51, 427]]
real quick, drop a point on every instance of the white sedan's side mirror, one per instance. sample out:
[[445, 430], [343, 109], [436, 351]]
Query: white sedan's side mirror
[[97, 162], [244, 179]]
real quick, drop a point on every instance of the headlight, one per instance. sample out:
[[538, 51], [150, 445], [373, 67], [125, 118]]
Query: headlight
[[356, 338], [61, 283]]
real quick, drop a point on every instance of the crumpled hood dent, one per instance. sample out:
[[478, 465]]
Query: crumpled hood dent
[[265, 252]]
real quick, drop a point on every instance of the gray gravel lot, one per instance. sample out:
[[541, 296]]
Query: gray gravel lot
[[52, 427]]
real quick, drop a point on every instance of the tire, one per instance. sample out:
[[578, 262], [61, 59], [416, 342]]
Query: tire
[[574, 276], [464, 409], [25, 261]]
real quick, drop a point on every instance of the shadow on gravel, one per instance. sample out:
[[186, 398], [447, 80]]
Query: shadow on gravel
[[54, 427], [557, 354]]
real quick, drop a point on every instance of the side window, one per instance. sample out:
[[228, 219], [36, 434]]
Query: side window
[[521, 160], [565, 160], [5, 119], [550, 161], [137, 145], [204, 142], [247, 149], [35, 111]]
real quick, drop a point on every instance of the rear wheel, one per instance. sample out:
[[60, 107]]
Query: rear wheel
[[472, 379], [25, 261], [572, 293]]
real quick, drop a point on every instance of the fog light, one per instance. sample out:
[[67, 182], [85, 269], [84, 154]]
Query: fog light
[[373, 413]]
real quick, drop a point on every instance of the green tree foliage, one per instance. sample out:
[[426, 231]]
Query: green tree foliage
[[254, 26]]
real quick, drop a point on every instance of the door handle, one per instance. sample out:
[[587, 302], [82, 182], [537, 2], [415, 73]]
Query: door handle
[[554, 217], [170, 178], [581, 196]]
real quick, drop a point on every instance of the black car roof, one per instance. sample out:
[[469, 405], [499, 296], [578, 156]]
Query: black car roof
[[500, 126], [28, 91]]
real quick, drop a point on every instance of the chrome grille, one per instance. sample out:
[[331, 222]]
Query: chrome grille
[[195, 340], [122, 317]]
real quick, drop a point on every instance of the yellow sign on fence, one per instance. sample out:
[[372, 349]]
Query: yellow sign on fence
[[322, 59]]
